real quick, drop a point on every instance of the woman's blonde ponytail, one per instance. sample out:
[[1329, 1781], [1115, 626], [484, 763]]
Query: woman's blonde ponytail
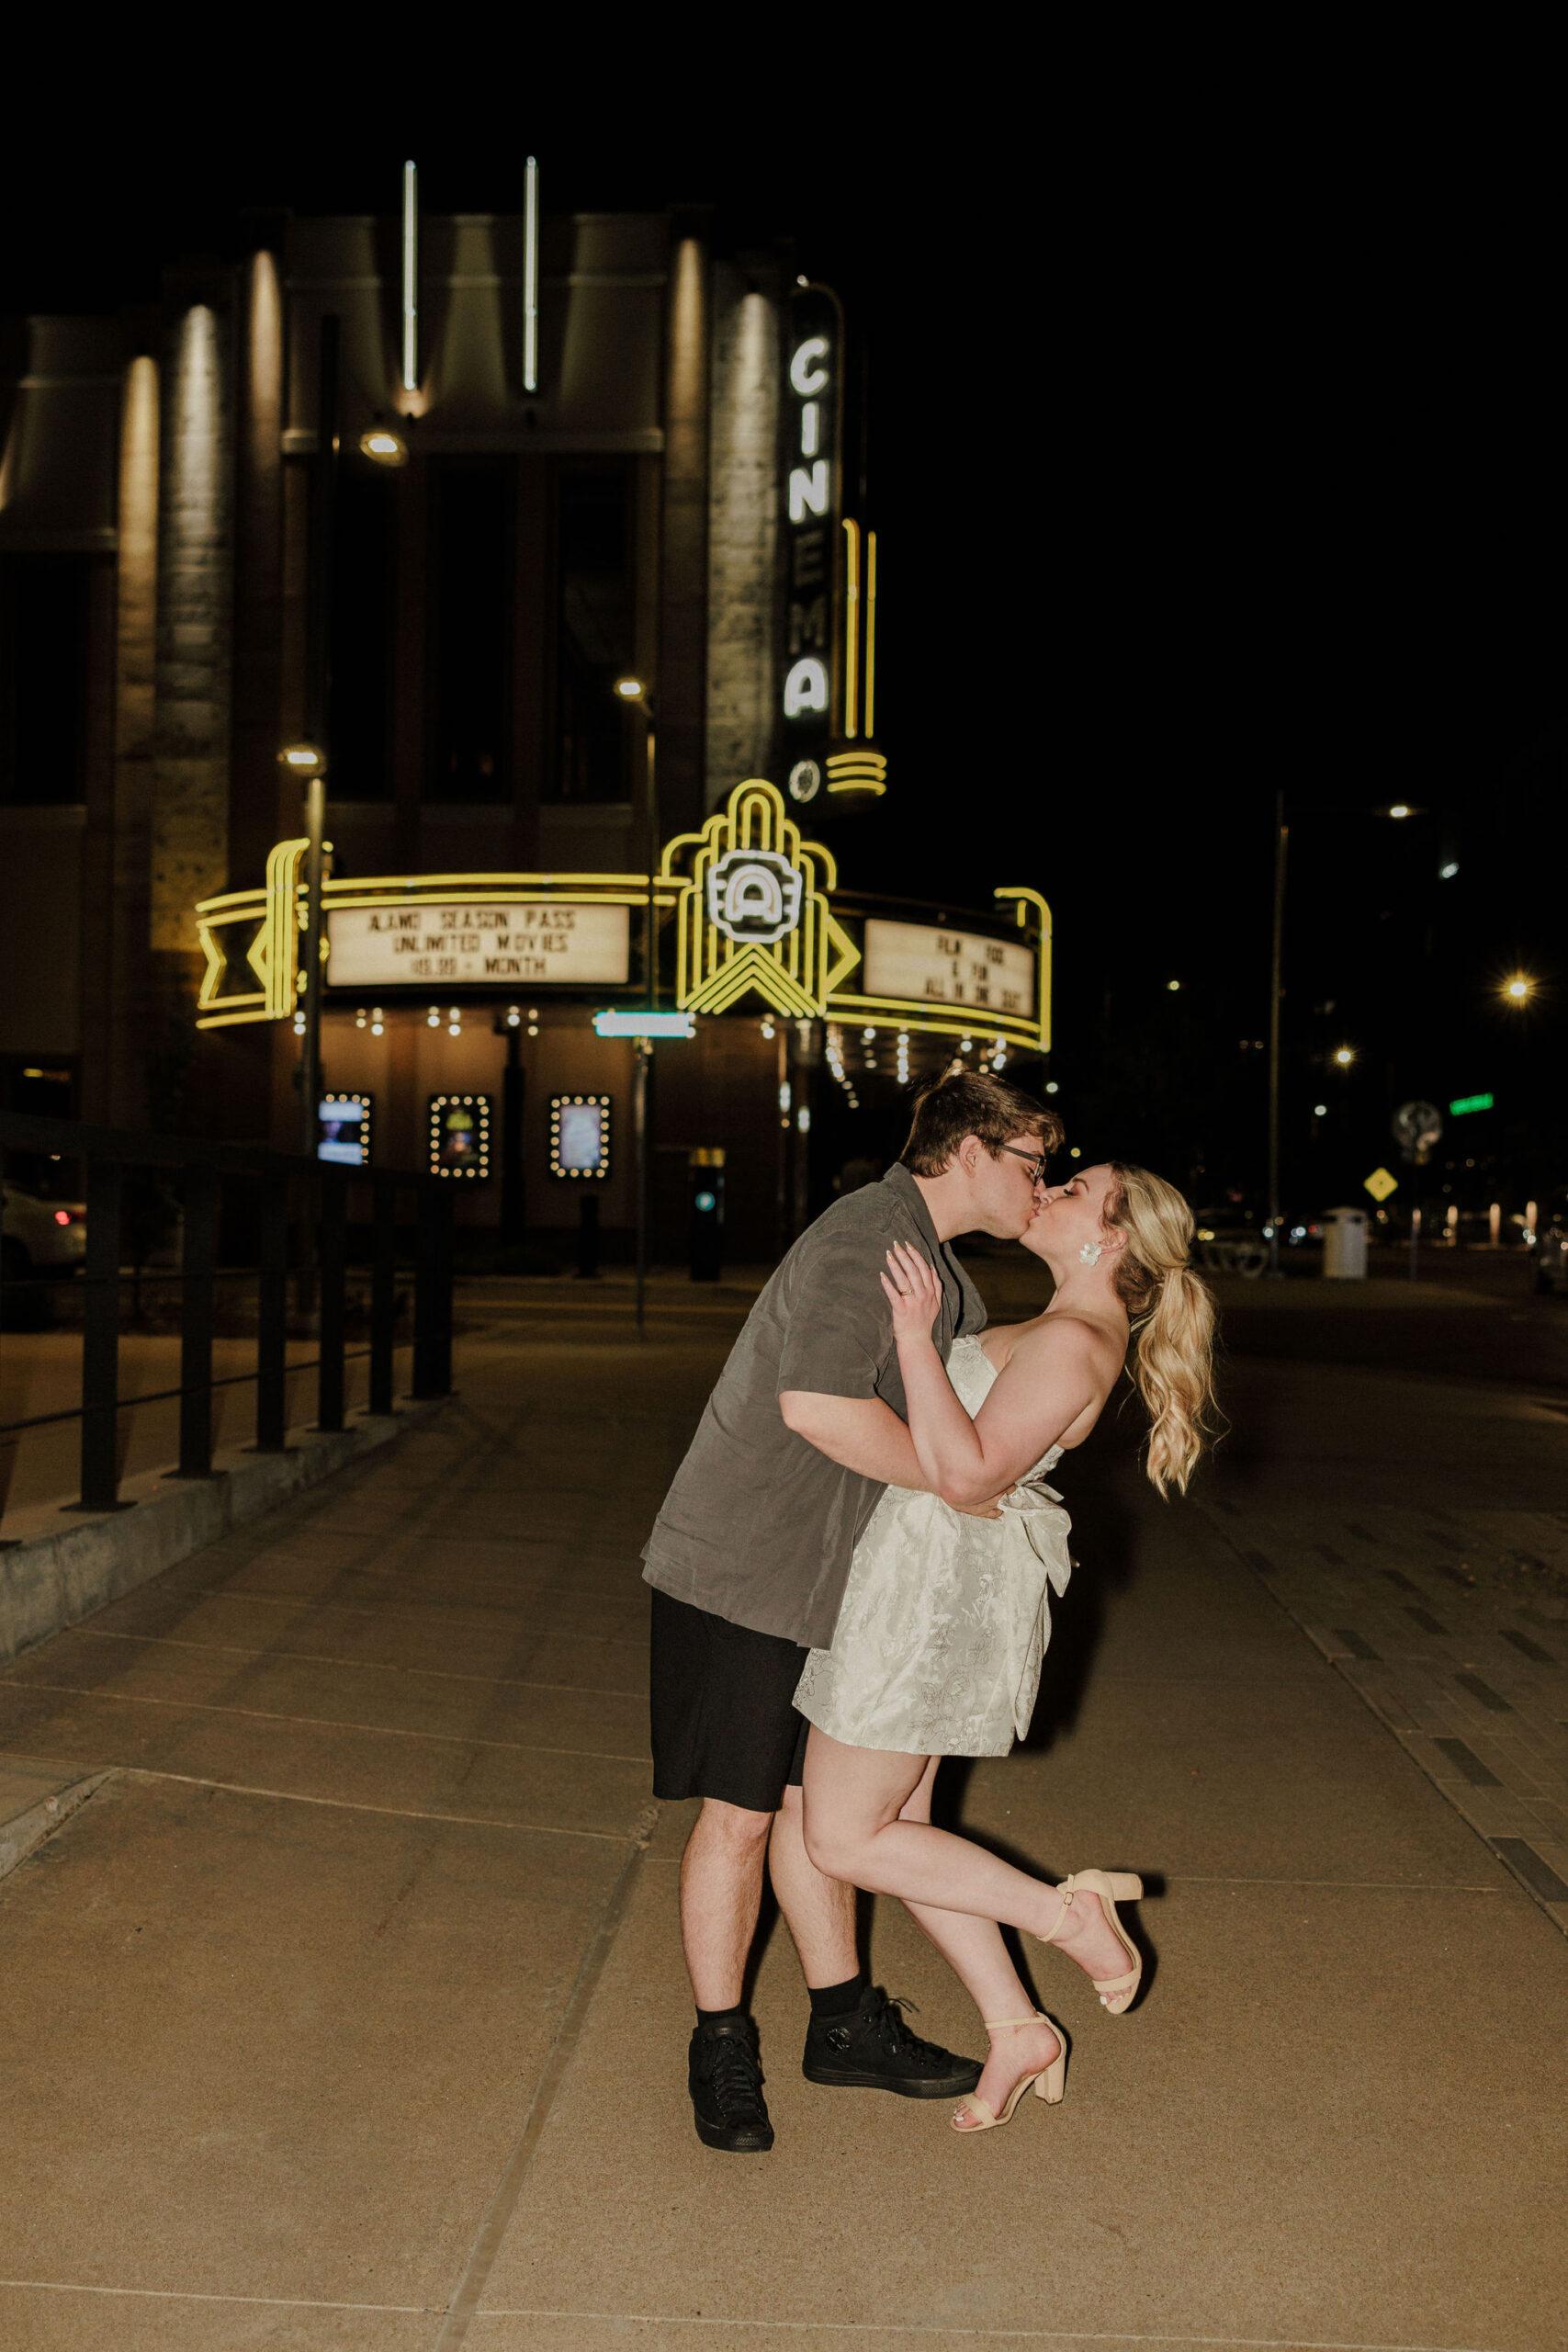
[[1172, 1313]]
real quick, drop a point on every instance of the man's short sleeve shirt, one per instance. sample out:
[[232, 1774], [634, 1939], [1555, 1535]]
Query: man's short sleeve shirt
[[758, 1527]]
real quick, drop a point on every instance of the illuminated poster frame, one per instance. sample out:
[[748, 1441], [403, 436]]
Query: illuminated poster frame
[[365, 1112], [441, 1123], [561, 1128]]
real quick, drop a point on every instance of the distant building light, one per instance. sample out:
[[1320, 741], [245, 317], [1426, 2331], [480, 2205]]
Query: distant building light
[[1449, 870], [1051, 1087], [1320, 1110], [1401, 808], [387, 448], [1344, 1055], [1173, 986]]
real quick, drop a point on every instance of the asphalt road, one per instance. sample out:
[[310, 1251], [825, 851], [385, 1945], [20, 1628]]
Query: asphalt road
[[1469, 1315]]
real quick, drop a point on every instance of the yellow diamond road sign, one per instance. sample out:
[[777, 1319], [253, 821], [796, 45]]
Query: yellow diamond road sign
[[1380, 1183]]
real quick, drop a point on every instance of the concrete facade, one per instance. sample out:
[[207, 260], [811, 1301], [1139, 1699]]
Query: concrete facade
[[743, 504]]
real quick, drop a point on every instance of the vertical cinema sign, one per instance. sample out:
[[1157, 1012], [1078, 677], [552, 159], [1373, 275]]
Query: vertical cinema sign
[[810, 409]]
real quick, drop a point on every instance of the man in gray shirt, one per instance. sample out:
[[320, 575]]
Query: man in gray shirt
[[748, 1559]]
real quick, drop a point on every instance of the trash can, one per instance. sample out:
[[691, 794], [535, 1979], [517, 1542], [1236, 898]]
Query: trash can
[[707, 1167], [1345, 1245]]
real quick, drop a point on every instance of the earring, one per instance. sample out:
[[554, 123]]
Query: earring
[[1089, 1254]]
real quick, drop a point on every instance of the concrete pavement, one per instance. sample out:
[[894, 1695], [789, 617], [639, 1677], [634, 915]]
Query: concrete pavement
[[352, 2011]]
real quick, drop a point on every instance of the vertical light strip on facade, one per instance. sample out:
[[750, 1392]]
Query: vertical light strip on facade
[[410, 278], [870, 634], [531, 277], [852, 630]]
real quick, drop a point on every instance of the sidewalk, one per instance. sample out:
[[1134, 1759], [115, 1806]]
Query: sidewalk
[[350, 2011]]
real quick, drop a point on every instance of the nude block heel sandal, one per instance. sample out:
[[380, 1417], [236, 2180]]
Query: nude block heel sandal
[[1117, 1993], [1048, 2081]]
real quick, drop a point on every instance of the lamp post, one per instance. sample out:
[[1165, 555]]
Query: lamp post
[[1397, 811], [1276, 989], [637, 691], [642, 1027], [308, 763]]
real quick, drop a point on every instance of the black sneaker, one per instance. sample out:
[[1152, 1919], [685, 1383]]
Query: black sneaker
[[873, 2050], [726, 2089]]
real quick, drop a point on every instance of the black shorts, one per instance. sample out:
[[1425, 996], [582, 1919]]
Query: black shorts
[[723, 1707]]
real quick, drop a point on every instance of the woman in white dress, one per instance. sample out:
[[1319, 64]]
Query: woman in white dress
[[939, 1643]]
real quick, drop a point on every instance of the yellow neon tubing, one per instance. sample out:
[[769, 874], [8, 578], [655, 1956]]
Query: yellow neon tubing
[[852, 629], [871, 632]]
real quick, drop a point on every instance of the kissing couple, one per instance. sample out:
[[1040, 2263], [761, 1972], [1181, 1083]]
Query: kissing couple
[[852, 1578]]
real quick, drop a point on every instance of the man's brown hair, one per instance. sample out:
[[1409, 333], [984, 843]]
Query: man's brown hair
[[972, 1104]]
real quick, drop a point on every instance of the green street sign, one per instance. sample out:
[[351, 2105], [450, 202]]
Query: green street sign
[[1471, 1103]]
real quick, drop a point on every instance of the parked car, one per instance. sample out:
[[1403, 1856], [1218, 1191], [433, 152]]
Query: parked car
[[40, 1238], [1229, 1240], [1551, 1243]]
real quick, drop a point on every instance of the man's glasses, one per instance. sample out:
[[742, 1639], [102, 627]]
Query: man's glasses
[[1033, 1161]]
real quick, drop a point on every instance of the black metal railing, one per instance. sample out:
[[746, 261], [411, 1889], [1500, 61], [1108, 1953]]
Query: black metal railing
[[298, 1212]]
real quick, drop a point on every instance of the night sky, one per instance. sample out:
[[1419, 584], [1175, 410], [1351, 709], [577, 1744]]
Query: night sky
[[1206, 463]]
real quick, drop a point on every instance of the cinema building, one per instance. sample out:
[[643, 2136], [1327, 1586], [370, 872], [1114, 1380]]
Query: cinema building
[[537, 533]]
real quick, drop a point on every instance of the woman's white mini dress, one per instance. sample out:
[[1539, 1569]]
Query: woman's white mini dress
[[946, 1619]]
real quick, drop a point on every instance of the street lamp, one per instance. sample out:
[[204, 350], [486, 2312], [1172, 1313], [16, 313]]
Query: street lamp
[[308, 761], [1518, 988], [1344, 1055]]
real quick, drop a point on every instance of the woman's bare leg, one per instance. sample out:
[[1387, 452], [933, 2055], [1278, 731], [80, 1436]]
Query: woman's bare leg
[[978, 1957], [854, 1830]]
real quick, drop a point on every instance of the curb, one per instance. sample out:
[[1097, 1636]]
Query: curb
[[68, 1567], [24, 1831]]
